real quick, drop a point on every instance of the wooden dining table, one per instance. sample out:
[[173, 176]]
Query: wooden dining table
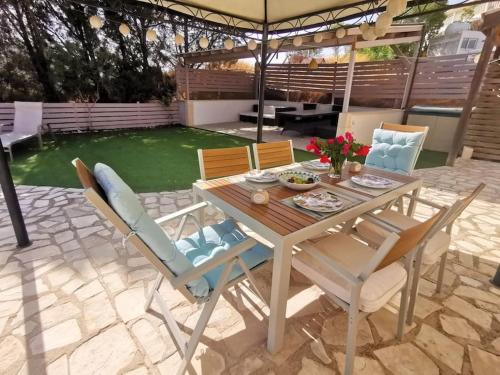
[[285, 226]]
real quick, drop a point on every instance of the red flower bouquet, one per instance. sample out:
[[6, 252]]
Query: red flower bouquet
[[337, 150]]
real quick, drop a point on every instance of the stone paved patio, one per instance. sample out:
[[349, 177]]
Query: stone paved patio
[[73, 301]]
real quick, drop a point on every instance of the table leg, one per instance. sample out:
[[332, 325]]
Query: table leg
[[279, 296], [413, 202], [201, 212]]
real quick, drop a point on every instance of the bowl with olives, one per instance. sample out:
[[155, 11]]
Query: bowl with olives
[[299, 180]]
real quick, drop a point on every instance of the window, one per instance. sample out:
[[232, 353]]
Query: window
[[469, 43]]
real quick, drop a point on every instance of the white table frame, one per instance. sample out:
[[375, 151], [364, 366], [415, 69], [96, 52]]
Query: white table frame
[[283, 244]]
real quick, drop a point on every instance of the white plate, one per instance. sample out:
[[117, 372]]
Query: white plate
[[315, 165], [318, 202], [372, 181], [285, 176], [261, 177]]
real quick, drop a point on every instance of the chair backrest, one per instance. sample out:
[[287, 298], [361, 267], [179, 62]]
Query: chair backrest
[[28, 117], [410, 239], [223, 162], [396, 147], [95, 195], [273, 154], [460, 205]]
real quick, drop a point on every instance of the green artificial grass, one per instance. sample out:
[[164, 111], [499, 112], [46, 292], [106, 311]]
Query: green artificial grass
[[152, 160]]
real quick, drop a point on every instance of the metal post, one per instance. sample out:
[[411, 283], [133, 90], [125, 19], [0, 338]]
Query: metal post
[[262, 82], [9, 193]]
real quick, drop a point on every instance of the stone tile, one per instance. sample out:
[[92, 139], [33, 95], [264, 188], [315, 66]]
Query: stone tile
[[483, 362], [12, 267], [40, 253], [142, 274], [3, 323], [294, 340], [247, 366], [106, 353], [362, 365], [72, 285], [475, 293], [36, 287], [102, 254], [424, 307], [138, 371], [468, 311], [130, 304], [114, 282], [60, 276], [386, 324], [470, 281], [89, 290], [58, 313], [458, 327], [24, 329], [151, 342], [98, 312], [8, 308], [85, 269], [84, 221], [39, 271], [319, 351], [441, 347], [312, 367], [406, 359], [137, 262], [9, 282], [334, 331], [12, 352], [61, 335], [59, 366], [34, 307]]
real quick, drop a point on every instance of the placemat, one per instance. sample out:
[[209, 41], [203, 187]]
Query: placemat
[[373, 192], [347, 200]]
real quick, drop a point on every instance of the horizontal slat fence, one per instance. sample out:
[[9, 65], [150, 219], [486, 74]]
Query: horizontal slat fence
[[190, 81], [60, 117], [483, 130]]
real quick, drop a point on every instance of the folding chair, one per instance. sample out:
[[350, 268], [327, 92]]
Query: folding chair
[[436, 249], [223, 162], [200, 266], [273, 154], [359, 278]]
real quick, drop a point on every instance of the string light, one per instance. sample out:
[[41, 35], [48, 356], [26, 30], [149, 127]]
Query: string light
[[228, 44], [151, 35], [297, 41], [179, 39], [96, 22], [274, 44], [252, 45], [203, 42], [124, 29], [318, 38], [340, 33]]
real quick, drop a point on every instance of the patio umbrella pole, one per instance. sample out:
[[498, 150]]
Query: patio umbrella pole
[[9, 192]]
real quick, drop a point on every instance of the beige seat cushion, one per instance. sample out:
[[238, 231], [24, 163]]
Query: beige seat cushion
[[436, 246], [353, 255]]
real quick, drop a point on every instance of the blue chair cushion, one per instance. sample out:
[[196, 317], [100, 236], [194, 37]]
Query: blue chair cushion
[[394, 151], [214, 239], [126, 204]]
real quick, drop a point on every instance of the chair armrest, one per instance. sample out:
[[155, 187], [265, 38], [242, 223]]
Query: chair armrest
[[203, 268], [330, 263], [181, 213], [425, 201], [380, 222]]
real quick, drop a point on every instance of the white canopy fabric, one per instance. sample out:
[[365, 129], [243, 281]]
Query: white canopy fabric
[[282, 15]]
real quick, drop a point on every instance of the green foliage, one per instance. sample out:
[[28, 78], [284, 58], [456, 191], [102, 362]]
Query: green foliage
[[378, 53]]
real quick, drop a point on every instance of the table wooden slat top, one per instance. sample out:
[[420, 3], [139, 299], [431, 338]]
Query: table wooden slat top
[[277, 216]]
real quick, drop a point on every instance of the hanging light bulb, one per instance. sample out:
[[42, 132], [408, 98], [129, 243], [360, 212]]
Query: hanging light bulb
[[274, 44], [384, 21], [151, 35], [252, 45], [124, 29], [203, 42], [313, 64], [318, 38], [340, 33], [96, 22], [369, 34], [179, 39], [396, 7], [364, 27], [228, 44], [297, 41]]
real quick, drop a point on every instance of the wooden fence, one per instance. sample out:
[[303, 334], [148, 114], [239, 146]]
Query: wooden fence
[[483, 130], [61, 117], [194, 81]]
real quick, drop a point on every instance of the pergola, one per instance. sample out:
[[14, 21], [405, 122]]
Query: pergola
[[396, 34]]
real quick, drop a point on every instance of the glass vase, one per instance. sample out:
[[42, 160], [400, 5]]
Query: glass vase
[[335, 170]]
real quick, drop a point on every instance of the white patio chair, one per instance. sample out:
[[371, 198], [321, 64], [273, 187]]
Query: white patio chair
[[436, 248], [200, 266], [273, 154], [359, 278], [27, 124]]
